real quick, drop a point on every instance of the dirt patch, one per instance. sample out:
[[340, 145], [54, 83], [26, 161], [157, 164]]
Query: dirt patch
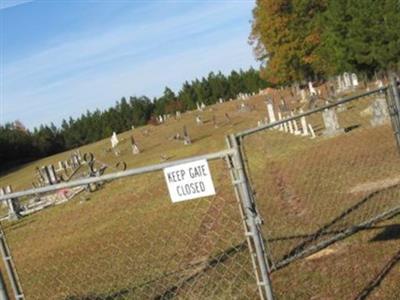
[[372, 186], [322, 253], [287, 193]]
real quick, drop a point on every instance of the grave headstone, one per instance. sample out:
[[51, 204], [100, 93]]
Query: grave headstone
[[380, 112], [331, 122], [311, 88], [79, 154], [341, 107], [64, 166], [284, 107], [379, 83], [311, 131], [245, 107], [295, 127], [14, 206], [114, 140], [75, 161], [303, 123], [340, 84], [199, 121], [52, 174], [279, 119], [303, 95], [354, 79], [290, 125], [178, 115], [114, 143], [134, 146], [271, 113], [164, 157], [296, 88], [60, 167], [186, 137], [347, 80], [45, 175], [285, 127], [70, 163]]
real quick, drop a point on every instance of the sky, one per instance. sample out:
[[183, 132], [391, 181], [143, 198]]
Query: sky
[[61, 58]]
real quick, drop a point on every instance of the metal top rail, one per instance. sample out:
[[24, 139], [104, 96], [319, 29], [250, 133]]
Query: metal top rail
[[116, 175], [340, 101]]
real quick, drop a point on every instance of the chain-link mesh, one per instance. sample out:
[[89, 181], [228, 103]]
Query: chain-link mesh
[[328, 188], [128, 241]]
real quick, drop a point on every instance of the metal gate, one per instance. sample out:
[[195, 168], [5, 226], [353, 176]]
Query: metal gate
[[327, 183], [131, 242]]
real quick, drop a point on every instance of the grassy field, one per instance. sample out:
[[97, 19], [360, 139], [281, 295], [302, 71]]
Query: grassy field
[[128, 241], [313, 189]]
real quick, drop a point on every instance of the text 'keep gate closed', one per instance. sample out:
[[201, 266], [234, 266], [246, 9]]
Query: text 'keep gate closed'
[[189, 181]]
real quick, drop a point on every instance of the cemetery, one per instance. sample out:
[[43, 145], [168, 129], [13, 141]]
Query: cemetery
[[200, 150], [291, 146]]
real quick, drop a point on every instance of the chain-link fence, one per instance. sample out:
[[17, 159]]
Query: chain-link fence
[[327, 183], [127, 240]]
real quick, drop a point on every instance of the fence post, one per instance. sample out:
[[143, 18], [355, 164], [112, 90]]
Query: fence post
[[3, 290], [10, 266], [393, 101], [252, 221]]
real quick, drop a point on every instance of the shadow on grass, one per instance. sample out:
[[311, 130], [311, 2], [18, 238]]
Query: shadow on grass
[[190, 273], [391, 232], [352, 127], [19, 224], [11, 167], [202, 137], [327, 229], [376, 281]]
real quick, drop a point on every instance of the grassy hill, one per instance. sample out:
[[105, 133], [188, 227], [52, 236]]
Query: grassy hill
[[128, 241]]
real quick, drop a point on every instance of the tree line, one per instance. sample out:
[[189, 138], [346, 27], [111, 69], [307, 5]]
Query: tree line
[[17, 144], [301, 40]]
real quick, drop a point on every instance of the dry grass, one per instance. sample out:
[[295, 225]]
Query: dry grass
[[127, 239], [308, 184]]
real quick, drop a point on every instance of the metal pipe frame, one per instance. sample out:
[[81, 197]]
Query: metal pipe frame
[[116, 175], [252, 218]]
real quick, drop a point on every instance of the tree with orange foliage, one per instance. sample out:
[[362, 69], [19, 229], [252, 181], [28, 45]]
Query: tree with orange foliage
[[286, 36]]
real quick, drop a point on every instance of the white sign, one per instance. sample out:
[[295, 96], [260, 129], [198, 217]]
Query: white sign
[[189, 181]]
